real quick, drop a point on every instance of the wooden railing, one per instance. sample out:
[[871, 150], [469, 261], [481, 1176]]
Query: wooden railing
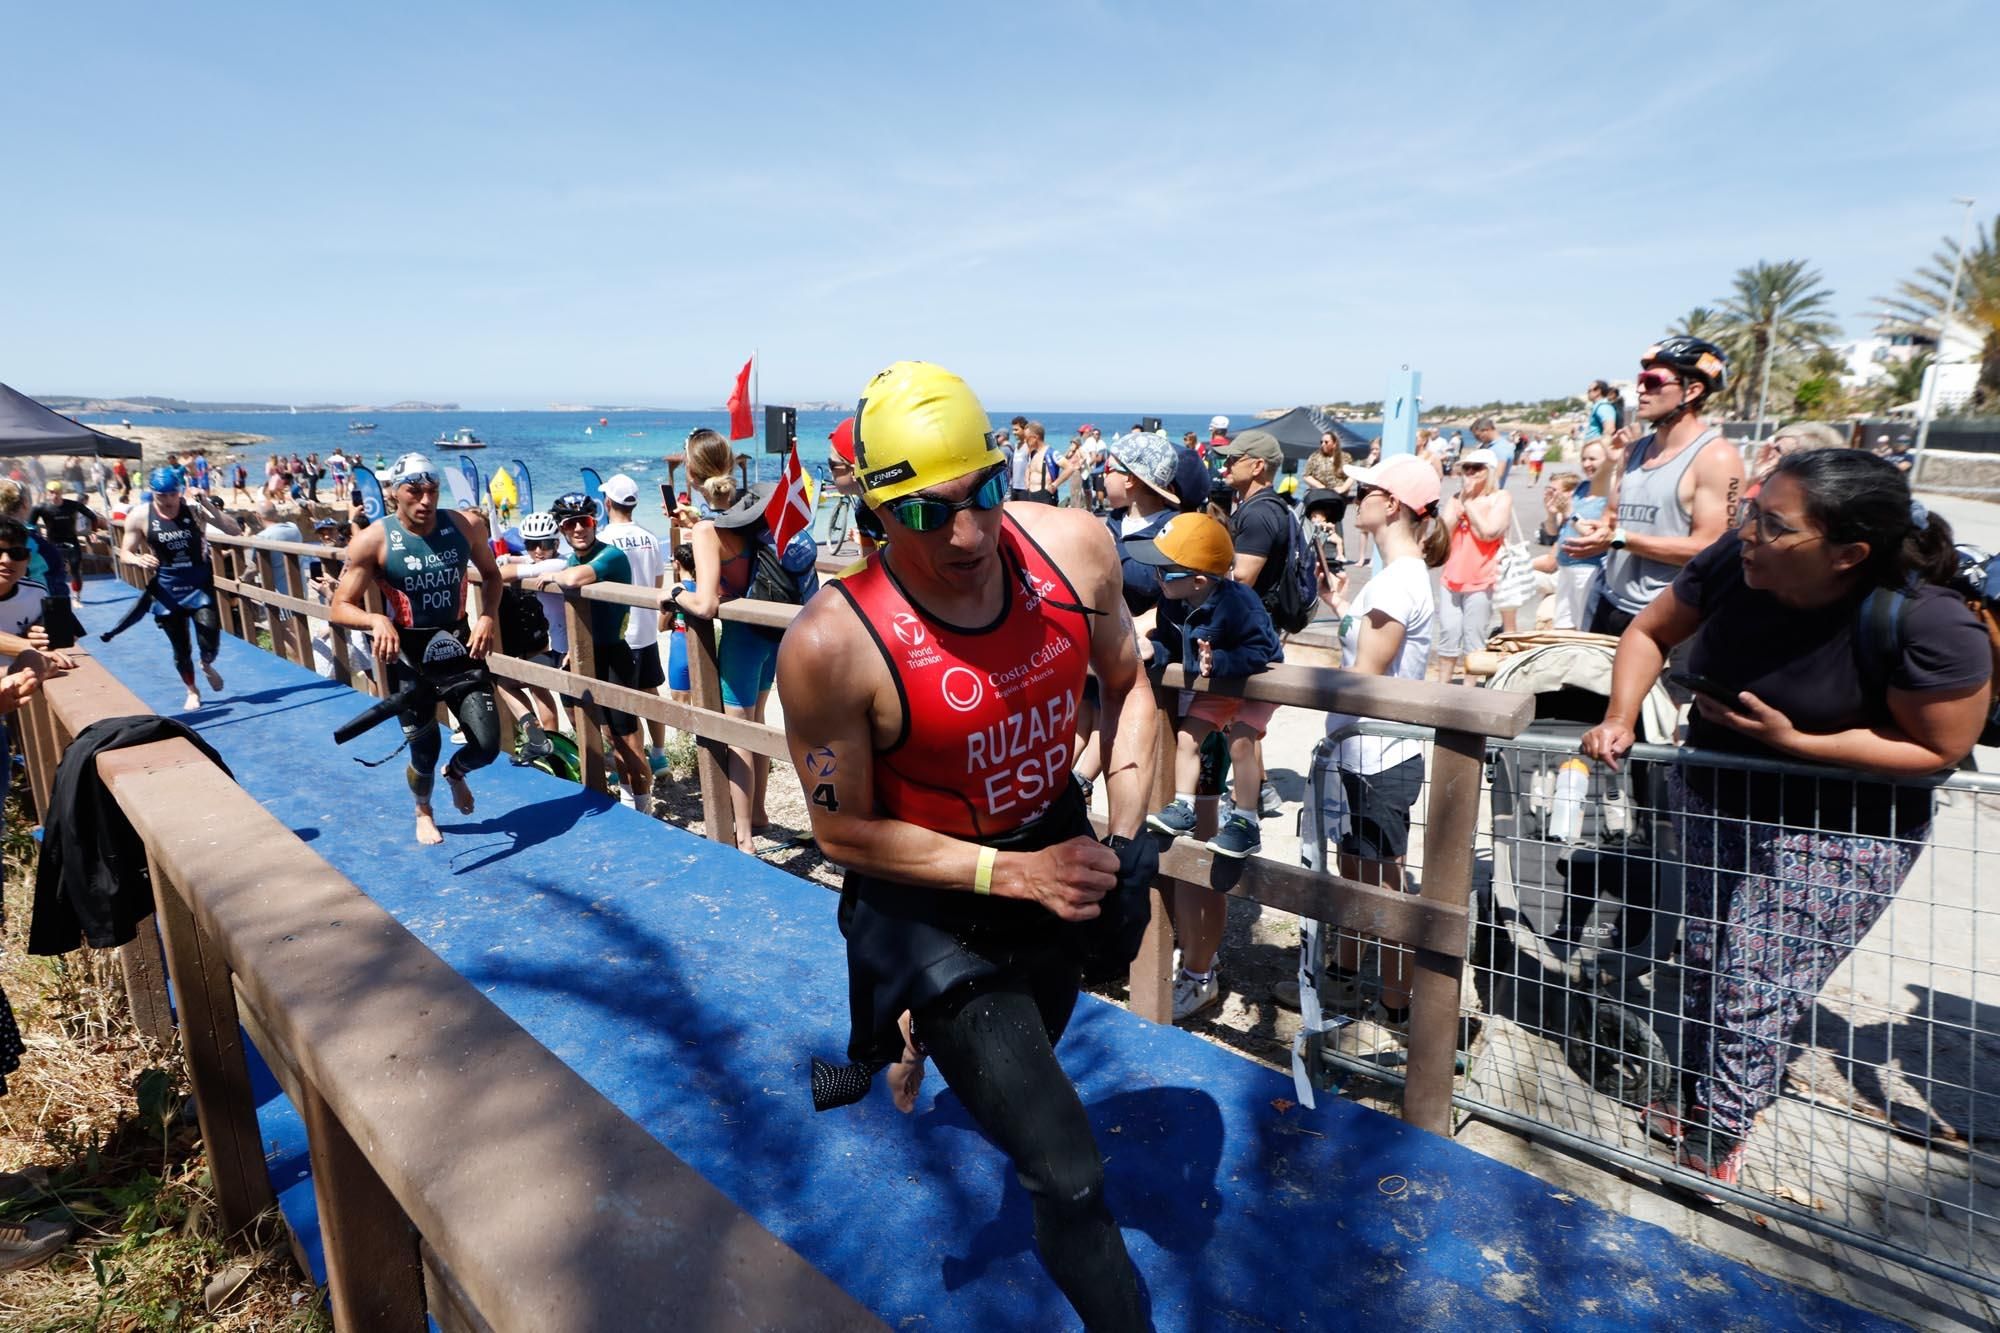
[[1434, 924], [426, 1107]]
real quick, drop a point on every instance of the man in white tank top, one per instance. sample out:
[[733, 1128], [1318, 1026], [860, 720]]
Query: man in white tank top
[[1674, 490]]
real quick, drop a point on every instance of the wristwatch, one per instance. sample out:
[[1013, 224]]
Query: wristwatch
[[1618, 541]]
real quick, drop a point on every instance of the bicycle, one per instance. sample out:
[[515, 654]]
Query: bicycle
[[840, 521]]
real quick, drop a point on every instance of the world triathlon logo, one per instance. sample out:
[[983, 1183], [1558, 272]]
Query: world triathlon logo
[[820, 762], [908, 629], [962, 689]]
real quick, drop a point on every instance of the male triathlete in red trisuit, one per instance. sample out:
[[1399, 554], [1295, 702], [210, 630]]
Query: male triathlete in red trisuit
[[930, 705]]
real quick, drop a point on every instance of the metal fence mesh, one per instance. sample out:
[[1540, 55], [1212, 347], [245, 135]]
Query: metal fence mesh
[[1594, 929]]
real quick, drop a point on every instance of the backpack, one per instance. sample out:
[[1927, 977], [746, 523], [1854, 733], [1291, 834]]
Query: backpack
[[1617, 414], [1879, 631], [1293, 600], [790, 576], [524, 628]]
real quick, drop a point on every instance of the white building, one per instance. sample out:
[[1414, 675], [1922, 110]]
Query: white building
[[1955, 368]]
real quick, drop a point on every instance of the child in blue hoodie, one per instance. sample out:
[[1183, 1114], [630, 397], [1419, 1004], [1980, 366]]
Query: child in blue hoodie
[[1222, 629]]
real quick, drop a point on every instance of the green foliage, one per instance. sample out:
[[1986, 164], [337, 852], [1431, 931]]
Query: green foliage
[[1776, 317], [1918, 302]]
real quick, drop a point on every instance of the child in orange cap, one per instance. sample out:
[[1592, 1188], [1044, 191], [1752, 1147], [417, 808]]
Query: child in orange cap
[[1226, 632]]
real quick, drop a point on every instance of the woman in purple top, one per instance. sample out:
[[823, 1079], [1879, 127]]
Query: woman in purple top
[[1786, 874]]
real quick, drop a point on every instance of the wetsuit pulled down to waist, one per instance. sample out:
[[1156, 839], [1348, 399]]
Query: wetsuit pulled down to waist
[[908, 946]]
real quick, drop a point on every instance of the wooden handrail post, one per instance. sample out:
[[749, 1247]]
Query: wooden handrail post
[[372, 595], [145, 976], [267, 566], [211, 1039], [583, 662], [374, 1270], [34, 732], [718, 816], [295, 583], [1457, 766], [1150, 983], [227, 605]]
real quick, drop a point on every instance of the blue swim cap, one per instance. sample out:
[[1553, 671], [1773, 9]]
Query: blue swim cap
[[164, 481]]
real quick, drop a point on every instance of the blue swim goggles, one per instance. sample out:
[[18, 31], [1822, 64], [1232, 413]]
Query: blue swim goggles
[[921, 514]]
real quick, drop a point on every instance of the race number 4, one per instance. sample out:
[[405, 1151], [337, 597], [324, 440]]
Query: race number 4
[[824, 798]]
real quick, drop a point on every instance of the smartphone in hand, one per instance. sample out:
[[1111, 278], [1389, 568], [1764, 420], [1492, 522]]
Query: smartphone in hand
[[57, 621], [1707, 688]]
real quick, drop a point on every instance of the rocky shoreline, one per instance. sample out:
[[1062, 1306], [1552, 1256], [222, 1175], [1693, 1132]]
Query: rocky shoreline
[[156, 442]]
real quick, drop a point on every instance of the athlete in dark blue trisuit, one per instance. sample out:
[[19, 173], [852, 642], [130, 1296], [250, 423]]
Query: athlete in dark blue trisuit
[[417, 557], [164, 538]]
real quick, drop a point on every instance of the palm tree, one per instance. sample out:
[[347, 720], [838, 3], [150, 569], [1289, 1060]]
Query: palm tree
[[1918, 303], [1776, 311], [1701, 322]]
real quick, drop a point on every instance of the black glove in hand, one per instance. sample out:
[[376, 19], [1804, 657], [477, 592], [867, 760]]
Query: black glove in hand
[[1112, 941]]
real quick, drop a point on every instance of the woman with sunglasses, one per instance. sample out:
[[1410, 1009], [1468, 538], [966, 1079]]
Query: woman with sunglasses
[[1477, 519], [748, 659], [1786, 874], [930, 709]]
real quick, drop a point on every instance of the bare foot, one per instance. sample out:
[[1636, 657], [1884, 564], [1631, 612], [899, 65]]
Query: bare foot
[[427, 830], [906, 1076], [461, 795]]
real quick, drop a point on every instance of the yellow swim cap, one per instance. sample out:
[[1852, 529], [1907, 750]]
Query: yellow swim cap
[[918, 425]]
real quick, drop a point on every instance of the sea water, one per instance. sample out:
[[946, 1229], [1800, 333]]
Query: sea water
[[555, 446]]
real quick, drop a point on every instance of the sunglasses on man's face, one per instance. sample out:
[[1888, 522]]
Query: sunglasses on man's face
[[921, 513], [1177, 575], [1652, 381], [15, 552]]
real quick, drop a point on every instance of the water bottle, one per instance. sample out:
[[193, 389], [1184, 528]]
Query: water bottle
[[1572, 787]]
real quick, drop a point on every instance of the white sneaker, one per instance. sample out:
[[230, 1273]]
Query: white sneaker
[[192, 702], [214, 676], [1191, 996]]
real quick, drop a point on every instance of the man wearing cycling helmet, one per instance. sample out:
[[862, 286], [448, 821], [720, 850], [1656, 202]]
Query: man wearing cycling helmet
[[931, 709], [533, 628], [417, 556], [163, 536], [1674, 489], [594, 560]]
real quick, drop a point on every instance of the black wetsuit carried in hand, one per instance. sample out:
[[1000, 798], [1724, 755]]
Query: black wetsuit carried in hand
[[423, 588]]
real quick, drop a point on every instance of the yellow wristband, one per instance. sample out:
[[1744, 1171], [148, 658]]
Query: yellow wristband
[[982, 878]]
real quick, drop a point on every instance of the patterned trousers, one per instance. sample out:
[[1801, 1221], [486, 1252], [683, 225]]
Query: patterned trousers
[[1772, 912]]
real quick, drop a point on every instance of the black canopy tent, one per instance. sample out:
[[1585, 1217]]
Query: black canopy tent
[[1298, 433], [27, 428]]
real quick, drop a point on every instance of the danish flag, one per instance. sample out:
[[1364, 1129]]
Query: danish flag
[[789, 511]]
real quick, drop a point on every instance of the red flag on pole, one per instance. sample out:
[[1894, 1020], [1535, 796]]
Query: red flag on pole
[[741, 426], [789, 511]]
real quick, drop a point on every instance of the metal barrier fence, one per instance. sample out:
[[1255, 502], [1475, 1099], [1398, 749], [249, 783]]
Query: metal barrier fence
[[1878, 1112]]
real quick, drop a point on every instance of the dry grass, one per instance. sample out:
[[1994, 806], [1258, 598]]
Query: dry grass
[[103, 1110]]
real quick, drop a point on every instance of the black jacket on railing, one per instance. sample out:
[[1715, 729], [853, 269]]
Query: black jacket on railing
[[92, 885]]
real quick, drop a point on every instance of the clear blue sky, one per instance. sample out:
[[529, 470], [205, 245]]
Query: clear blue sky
[[1145, 205]]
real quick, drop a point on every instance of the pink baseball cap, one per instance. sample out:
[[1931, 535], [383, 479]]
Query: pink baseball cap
[[1408, 478]]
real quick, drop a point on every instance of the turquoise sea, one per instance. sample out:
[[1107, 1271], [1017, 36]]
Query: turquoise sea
[[555, 445]]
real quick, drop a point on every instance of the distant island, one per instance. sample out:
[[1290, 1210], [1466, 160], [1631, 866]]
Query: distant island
[[146, 404]]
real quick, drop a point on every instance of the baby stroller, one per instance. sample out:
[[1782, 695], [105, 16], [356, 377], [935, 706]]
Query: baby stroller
[[1584, 896]]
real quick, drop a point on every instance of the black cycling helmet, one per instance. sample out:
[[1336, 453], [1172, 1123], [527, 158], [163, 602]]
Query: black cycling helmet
[[1691, 356], [572, 504]]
